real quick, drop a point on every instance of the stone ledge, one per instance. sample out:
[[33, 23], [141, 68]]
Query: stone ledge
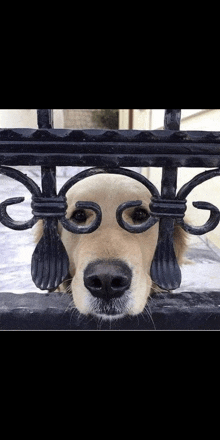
[[181, 311]]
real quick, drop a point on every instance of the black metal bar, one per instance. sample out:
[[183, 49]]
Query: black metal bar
[[165, 271], [169, 183], [169, 178], [45, 118], [109, 149], [131, 118], [50, 263], [172, 119], [182, 311]]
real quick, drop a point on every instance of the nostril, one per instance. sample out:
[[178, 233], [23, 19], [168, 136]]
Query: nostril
[[118, 282], [95, 283]]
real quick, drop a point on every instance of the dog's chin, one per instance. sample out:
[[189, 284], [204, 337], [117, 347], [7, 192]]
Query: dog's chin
[[111, 310], [108, 317]]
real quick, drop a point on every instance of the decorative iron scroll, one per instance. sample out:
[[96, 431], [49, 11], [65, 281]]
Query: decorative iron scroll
[[111, 150], [50, 264]]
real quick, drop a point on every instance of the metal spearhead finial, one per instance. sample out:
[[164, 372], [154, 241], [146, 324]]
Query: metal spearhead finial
[[172, 119]]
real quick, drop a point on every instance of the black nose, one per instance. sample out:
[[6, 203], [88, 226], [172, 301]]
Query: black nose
[[107, 279]]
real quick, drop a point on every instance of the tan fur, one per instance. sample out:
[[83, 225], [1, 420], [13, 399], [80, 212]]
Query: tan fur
[[110, 241]]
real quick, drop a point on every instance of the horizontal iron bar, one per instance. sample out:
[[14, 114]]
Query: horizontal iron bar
[[182, 311], [113, 160], [109, 148]]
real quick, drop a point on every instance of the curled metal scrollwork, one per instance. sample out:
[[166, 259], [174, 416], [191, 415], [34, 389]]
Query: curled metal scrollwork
[[134, 229], [93, 206], [5, 219], [50, 262], [71, 227], [214, 218], [46, 207]]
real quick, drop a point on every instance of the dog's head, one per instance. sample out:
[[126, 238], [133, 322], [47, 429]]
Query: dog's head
[[110, 267]]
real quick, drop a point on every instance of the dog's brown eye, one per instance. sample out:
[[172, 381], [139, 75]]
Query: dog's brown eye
[[139, 215], [79, 216]]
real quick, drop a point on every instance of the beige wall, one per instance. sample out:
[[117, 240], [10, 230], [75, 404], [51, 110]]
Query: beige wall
[[20, 118], [153, 119]]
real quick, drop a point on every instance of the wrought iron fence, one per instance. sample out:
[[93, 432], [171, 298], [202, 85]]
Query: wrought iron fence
[[107, 152]]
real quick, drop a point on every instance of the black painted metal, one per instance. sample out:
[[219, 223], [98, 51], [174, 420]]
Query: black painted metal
[[50, 262], [107, 152], [165, 271], [113, 148], [165, 311], [45, 118], [172, 119], [31, 186]]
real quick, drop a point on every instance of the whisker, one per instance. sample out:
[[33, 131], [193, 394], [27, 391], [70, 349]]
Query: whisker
[[68, 280], [70, 306], [99, 323], [155, 288], [149, 314], [79, 317]]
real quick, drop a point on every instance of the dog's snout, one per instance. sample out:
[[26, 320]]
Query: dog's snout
[[107, 279]]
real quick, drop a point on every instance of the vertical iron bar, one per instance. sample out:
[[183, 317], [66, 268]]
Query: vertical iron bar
[[172, 121], [49, 189], [45, 118], [169, 183], [131, 119], [50, 263], [165, 271]]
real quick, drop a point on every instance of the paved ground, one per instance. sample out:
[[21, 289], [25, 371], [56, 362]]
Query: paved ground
[[16, 248]]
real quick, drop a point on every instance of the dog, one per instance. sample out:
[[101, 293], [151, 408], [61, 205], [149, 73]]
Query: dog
[[110, 267]]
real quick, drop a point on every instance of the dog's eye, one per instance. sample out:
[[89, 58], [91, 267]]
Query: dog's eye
[[139, 215], [79, 216]]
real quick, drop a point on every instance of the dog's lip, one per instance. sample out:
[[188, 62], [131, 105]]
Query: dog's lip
[[107, 316], [111, 312], [114, 308]]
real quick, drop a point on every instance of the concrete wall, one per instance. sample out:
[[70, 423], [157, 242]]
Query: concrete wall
[[79, 118], [63, 118]]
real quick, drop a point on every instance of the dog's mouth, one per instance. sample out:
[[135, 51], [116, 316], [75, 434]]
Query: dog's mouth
[[114, 309]]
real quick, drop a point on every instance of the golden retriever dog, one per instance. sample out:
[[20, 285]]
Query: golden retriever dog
[[110, 267]]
